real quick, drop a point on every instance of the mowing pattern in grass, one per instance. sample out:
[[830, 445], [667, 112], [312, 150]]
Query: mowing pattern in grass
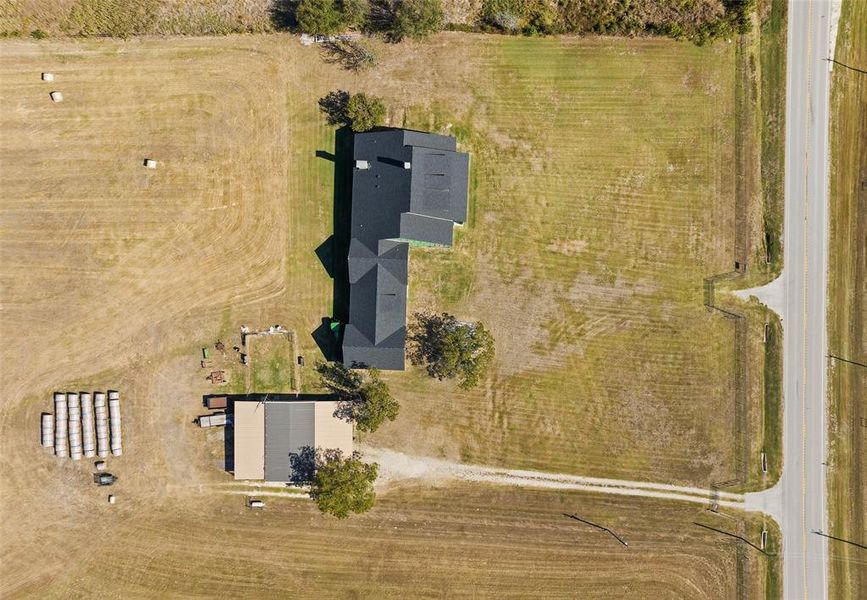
[[603, 197], [847, 318], [465, 541]]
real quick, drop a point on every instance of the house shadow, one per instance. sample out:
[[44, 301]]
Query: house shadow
[[333, 252]]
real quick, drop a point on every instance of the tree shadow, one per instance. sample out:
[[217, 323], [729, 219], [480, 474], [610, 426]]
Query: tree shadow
[[302, 465], [283, 14]]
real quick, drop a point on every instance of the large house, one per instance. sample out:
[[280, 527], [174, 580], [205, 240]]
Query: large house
[[408, 188], [268, 429]]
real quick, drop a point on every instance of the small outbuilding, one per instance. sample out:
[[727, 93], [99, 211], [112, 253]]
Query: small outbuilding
[[267, 431], [56, 96], [48, 77], [152, 164]]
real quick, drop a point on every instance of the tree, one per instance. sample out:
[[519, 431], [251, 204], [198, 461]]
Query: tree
[[451, 348], [365, 401], [365, 112], [343, 485], [354, 12], [416, 19], [360, 111], [320, 17]]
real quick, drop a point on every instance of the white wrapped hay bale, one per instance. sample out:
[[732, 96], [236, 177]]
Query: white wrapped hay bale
[[114, 423], [47, 430], [101, 417], [88, 441], [74, 426], [61, 417]]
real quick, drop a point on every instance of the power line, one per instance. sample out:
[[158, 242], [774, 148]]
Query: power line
[[856, 69], [838, 539], [737, 537], [846, 360], [600, 527]]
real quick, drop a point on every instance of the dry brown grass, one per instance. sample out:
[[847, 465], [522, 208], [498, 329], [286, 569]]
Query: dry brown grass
[[847, 310], [116, 276]]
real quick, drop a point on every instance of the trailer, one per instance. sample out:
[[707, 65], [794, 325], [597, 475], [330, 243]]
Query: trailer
[[216, 402], [214, 420]]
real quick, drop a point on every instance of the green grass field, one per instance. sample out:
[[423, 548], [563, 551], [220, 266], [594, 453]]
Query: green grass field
[[772, 60], [602, 195], [847, 317]]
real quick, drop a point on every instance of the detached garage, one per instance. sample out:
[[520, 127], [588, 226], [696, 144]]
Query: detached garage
[[267, 431]]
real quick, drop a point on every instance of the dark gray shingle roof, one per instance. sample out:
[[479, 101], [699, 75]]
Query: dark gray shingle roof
[[413, 187]]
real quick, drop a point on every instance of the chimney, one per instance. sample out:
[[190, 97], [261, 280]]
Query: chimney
[[362, 165]]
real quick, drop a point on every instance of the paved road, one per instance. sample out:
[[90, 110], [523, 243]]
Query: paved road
[[802, 487]]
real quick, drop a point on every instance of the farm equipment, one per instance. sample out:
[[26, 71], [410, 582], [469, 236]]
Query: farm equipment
[[104, 479]]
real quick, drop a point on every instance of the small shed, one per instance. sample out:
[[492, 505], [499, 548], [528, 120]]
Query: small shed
[[56, 96], [48, 77], [152, 164]]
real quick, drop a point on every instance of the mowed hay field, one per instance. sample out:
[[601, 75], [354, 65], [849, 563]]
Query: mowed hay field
[[602, 196], [467, 541], [847, 316], [600, 199]]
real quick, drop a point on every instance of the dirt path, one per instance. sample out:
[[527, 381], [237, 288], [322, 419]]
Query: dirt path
[[396, 466]]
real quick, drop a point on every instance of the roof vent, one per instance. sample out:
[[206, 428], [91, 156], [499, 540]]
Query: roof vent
[[407, 165], [362, 165]]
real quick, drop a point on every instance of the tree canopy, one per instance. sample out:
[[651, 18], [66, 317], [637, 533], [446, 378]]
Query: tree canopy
[[319, 17], [416, 19], [366, 401], [364, 112], [450, 348], [343, 484]]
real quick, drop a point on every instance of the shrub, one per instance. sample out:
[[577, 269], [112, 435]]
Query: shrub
[[38, 34]]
